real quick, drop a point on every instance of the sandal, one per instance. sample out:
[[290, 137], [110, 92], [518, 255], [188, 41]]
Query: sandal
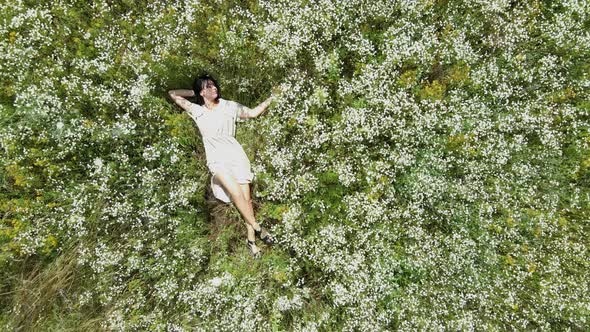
[[264, 235], [254, 251]]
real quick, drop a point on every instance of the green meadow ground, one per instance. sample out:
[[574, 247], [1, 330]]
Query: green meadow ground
[[425, 167]]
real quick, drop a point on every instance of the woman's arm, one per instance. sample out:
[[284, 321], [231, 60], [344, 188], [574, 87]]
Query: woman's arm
[[179, 97], [256, 111]]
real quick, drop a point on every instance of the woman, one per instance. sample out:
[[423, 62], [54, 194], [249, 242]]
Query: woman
[[226, 160]]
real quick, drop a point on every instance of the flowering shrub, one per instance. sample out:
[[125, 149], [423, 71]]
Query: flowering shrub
[[425, 167]]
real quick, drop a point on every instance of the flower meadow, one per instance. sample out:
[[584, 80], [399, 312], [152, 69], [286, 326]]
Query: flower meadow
[[425, 166]]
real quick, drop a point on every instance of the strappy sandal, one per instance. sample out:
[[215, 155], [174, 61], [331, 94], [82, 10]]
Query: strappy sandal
[[264, 235], [252, 247]]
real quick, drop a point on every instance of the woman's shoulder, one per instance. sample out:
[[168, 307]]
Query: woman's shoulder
[[196, 110], [231, 105], [226, 103]]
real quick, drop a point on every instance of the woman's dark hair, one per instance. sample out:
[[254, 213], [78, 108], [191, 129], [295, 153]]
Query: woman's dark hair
[[200, 83]]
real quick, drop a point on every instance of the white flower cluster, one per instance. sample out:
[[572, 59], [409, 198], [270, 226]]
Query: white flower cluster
[[448, 131]]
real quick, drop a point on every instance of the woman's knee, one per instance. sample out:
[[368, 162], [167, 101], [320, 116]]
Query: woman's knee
[[236, 195]]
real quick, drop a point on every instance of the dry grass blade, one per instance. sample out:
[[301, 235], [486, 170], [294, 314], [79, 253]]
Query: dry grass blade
[[41, 288]]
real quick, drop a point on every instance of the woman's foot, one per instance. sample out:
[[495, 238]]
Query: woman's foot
[[264, 235], [254, 251]]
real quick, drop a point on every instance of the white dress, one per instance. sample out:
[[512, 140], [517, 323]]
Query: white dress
[[224, 153]]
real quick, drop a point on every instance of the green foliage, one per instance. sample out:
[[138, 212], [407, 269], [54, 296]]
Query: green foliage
[[425, 166]]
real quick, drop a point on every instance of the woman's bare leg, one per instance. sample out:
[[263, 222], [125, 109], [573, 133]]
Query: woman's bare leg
[[245, 187], [240, 200], [264, 234]]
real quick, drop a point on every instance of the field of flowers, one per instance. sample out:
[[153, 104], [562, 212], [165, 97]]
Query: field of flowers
[[425, 167]]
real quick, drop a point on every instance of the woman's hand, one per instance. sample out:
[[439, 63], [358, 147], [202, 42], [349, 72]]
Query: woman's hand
[[276, 91]]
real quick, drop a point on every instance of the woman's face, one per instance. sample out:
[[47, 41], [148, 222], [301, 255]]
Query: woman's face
[[209, 91]]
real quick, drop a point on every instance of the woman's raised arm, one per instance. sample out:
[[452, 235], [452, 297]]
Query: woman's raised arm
[[179, 97], [256, 111]]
